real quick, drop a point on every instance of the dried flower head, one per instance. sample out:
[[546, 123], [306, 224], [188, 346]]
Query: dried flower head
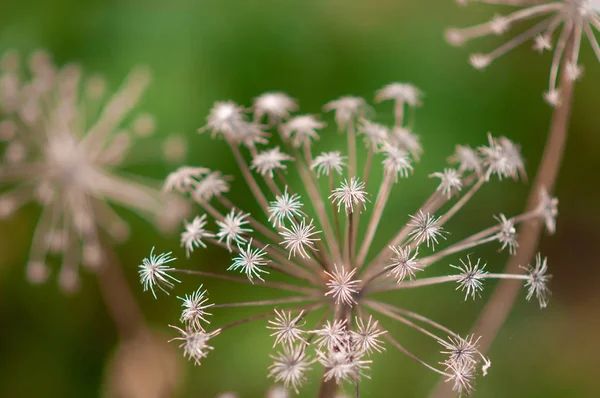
[[508, 234], [232, 228], [290, 366], [194, 309], [302, 130], [346, 110], [327, 162], [328, 258], [275, 105], [573, 18], [249, 261], [266, 162], [470, 279], [154, 272], [450, 182], [349, 195], [403, 264], [285, 207], [64, 141], [194, 342], [537, 281], [287, 328], [194, 234], [341, 285], [426, 228], [548, 210]]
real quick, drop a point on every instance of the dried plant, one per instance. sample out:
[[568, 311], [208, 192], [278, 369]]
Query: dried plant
[[64, 140], [573, 18], [335, 269]]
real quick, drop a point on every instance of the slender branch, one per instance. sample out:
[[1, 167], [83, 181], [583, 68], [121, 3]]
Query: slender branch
[[239, 279], [119, 299], [286, 300]]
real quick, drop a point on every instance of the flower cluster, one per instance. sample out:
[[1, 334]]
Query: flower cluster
[[573, 18], [312, 233], [63, 140]]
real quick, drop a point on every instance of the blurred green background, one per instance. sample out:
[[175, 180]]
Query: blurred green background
[[53, 345]]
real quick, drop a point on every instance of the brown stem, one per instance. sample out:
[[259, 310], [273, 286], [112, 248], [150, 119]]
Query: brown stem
[[496, 310], [119, 299], [328, 389]]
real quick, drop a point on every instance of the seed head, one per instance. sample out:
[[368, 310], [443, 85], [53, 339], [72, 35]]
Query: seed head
[[341, 286], [400, 92], [232, 229], [275, 105], [290, 365], [194, 234], [331, 335], [426, 229], [285, 207], [537, 282], [212, 185], [407, 140], [266, 162], [350, 195], [327, 162], [302, 130], [548, 210], [397, 161], [508, 234], [467, 159], [184, 179], [154, 272], [375, 133], [346, 110], [299, 237], [194, 309], [471, 277], [366, 336], [450, 182], [195, 342], [403, 264], [287, 328], [249, 261]]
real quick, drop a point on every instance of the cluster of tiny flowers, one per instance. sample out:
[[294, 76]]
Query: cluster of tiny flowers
[[63, 139], [568, 20], [312, 234]]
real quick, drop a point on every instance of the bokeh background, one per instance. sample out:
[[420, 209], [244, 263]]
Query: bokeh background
[[52, 345]]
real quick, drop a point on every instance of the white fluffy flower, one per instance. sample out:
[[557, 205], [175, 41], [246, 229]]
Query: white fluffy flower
[[341, 285], [403, 264], [194, 309], [232, 229], [155, 273], [299, 237], [426, 229], [537, 281], [471, 277], [508, 234], [328, 162], [194, 234], [548, 210], [401, 92], [266, 162], [346, 109], [397, 161], [302, 129], [450, 182], [195, 342], [249, 261], [290, 366], [275, 105], [350, 195], [287, 328]]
